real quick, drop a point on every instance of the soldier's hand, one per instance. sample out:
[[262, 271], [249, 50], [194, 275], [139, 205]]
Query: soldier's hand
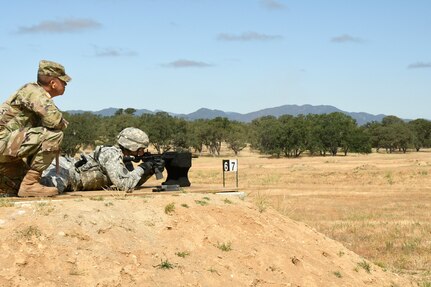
[[62, 124], [159, 164], [65, 123], [147, 166]]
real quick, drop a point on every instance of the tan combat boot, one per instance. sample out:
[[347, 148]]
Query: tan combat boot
[[30, 186]]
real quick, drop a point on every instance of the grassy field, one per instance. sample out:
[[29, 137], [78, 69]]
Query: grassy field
[[377, 205]]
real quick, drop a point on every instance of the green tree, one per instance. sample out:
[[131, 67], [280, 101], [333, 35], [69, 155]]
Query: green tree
[[118, 112], [112, 126], [394, 134], [391, 120], [405, 137], [294, 135], [130, 111], [215, 134], [301, 135], [286, 134], [373, 131], [329, 132], [160, 128], [196, 134], [339, 128], [358, 141], [180, 136], [237, 136], [82, 131], [421, 130], [268, 137], [315, 143]]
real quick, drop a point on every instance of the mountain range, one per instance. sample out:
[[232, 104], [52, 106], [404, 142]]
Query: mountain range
[[294, 110]]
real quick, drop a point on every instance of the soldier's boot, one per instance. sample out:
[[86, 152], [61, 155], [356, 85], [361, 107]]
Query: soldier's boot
[[8, 187], [30, 186]]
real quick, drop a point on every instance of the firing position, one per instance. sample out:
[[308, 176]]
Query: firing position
[[105, 167]]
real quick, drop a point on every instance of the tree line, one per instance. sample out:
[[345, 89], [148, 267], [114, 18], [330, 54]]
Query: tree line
[[284, 136]]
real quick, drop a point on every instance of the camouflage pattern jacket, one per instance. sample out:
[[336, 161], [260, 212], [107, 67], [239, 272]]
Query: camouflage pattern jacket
[[109, 160], [31, 106]]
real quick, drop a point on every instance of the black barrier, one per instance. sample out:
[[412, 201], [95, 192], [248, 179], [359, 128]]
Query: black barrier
[[177, 165]]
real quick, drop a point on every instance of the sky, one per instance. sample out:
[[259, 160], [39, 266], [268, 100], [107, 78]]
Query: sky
[[232, 55]]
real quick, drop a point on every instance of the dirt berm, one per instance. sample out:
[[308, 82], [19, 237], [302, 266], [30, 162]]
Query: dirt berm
[[176, 239]]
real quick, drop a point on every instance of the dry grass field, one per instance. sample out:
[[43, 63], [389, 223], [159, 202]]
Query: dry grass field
[[377, 205]]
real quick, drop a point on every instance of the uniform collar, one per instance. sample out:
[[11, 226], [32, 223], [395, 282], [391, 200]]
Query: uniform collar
[[46, 93]]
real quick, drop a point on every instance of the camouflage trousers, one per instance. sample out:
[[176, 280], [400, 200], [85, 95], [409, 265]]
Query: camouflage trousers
[[66, 178], [21, 150]]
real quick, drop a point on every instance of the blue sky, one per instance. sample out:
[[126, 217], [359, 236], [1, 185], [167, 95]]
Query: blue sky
[[233, 55]]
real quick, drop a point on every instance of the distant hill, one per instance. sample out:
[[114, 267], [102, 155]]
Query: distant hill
[[109, 112], [294, 110]]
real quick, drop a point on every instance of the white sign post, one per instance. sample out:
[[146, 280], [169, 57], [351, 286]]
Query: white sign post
[[230, 165]]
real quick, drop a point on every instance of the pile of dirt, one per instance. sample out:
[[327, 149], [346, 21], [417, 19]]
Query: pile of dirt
[[181, 239]]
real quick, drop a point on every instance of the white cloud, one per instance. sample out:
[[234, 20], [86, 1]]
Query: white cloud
[[419, 65], [346, 38], [247, 36], [273, 4], [113, 52], [182, 63], [65, 26]]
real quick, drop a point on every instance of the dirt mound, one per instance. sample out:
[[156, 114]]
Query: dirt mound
[[171, 240]]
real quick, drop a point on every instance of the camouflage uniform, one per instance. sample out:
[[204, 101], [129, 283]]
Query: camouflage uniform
[[30, 133], [103, 168]]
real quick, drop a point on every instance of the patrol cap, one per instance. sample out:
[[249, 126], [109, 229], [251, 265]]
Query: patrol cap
[[53, 69], [133, 139]]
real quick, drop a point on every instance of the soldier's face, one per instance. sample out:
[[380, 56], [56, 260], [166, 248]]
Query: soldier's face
[[57, 87], [139, 152]]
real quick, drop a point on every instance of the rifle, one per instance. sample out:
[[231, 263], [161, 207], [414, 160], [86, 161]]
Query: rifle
[[177, 165], [146, 157]]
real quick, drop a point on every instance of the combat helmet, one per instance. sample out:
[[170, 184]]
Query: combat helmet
[[132, 139]]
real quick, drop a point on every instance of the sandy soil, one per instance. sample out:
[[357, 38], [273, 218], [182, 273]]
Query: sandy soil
[[196, 238], [175, 239]]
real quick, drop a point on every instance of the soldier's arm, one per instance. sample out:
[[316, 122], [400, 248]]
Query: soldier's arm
[[35, 100], [112, 163]]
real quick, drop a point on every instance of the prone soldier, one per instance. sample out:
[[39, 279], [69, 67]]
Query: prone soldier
[[105, 167]]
